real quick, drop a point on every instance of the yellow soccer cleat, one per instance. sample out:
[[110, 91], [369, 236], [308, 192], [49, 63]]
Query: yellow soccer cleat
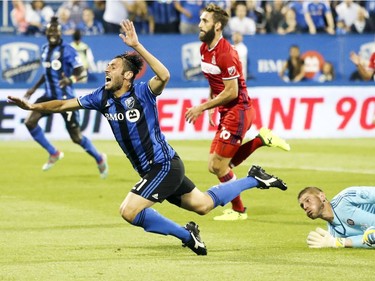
[[270, 139], [231, 215]]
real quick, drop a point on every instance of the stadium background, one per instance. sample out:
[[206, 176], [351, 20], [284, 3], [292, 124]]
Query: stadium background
[[340, 108]]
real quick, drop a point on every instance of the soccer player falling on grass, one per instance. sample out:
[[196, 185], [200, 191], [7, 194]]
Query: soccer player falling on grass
[[131, 111], [62, 68], [228, 92], [350, 216]]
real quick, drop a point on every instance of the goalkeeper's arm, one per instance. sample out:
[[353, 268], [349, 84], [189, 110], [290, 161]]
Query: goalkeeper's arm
[[321, 238]]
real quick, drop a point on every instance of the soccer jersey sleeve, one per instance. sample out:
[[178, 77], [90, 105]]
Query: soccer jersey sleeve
[[372, 62], [229, 65], [92, 100], [72, 57]]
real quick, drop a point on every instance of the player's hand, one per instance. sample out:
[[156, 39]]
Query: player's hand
[[29, 93], [355, 58], [320, 238], [22, 103], [369, 236], [130, 36], [211, 117], [64, 81], [192, 114]]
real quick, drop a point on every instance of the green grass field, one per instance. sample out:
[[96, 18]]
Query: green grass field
[[64, 224]]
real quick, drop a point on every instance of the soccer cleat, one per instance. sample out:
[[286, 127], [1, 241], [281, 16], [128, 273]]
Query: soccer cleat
[[52, 159], [266, 180], [103, 166], [195, 243], [231, 215], [270, 139]]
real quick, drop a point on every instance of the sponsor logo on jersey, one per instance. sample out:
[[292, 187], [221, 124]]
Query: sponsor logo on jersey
[[114, 116], [19, 62], [130, 115], [133, 115]]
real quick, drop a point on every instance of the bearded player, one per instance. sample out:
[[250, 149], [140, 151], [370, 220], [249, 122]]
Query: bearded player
[[222, 68]]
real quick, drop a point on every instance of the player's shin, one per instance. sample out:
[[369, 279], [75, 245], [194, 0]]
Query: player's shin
[[151, 221], [223, 193]]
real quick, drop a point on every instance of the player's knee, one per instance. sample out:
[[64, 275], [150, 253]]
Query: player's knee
[[204, 206], [216, 168], [30, 124], [127, 213], [76, 139], [211, 170]]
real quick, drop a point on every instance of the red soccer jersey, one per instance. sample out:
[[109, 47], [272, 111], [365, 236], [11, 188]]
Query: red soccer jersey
[[222, 63], [371, 64]]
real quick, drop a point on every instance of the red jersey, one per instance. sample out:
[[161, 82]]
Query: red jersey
[[222, 63], [371, 64]]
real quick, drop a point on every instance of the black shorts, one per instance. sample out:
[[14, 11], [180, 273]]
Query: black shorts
[[71, 118], [165, 181]]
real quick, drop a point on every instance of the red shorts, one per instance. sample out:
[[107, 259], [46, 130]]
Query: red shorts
[[231, 131]]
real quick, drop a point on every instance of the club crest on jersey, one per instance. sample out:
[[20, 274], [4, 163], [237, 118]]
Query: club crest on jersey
[[231, 70], [56, 64], [350, 222], [130, 102]]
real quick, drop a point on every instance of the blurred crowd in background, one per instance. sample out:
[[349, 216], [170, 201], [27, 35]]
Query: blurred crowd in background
[[248, 17]]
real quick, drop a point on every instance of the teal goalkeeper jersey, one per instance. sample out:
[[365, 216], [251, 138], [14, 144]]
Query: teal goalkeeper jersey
[[354, 212]]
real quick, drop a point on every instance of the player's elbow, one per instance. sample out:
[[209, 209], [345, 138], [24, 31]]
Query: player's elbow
[[164, 77]]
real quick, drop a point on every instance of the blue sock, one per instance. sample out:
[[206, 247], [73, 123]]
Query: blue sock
[[223, 193], [38, 135], [90, 149], [151, 221]]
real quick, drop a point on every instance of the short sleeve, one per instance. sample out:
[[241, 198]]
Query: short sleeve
[[92, 100]]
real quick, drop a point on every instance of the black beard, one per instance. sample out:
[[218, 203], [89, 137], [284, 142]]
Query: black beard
[[208, 37]]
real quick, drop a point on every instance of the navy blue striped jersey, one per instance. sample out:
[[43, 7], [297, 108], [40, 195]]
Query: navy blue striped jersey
[[134, 121], [56, 60]]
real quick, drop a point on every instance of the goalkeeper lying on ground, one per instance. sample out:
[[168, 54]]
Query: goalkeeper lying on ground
[[350, 216]]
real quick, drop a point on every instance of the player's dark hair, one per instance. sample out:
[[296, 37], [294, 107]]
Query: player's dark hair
[[131, 61], [77, 35], [310, 189], [219, 14], [54, 20], [54, 23]]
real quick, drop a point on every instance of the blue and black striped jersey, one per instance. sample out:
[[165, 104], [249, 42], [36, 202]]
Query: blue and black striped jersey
[[57, 60], [134, 121]]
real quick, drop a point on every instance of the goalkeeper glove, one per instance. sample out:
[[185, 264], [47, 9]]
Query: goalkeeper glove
[[369, 236], [321, 238]]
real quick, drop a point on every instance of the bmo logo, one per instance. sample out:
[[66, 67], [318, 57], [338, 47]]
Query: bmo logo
[[313, 63]]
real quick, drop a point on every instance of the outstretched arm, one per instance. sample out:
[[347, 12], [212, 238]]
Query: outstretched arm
[[130, 38], [46, 107]]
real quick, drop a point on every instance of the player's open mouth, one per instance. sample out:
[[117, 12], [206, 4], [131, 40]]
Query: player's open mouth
[[107, 80]]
